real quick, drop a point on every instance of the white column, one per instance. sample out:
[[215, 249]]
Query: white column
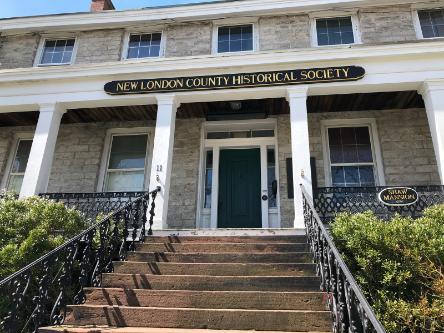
[[161, 164], [300, 149], [433, 95], [41, 155]]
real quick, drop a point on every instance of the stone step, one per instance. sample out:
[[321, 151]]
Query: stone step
[[226, 257], [219, 319], [226, 239], [315, 301], [222, 247], [211, 283], [221, 269], [107, 329]]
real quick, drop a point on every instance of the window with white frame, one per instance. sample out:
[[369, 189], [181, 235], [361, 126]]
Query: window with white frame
[[57, 51], [352, 161], [18, 165], [144, 45], [432, 22], [238, 38], [126, 163], [335, 31]]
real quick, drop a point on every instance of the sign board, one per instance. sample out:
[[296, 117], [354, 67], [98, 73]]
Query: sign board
[[398, 196], [232, 81]]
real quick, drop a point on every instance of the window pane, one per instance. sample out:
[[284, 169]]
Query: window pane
[[133, 53], [128, 152], [235, 33], [50, 44], [337, 175], [365, 154], [334, 31], [57, 58], [348, 136], [271, 178], [154, 51], [236, 46], [336, 155], [432, 23], [224, 34], [362, 135], [366, 176], [223, 47], [263, 134], [46, 59], [144, 52], [15, 183], [67, 57], [21, 157], [208, 179], [125, 181], [351, 176], [247, 45]]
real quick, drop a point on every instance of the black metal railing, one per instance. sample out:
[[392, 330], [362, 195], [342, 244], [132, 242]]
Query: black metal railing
[[329, 201], [92, 205], [350, 310], [38, 294]]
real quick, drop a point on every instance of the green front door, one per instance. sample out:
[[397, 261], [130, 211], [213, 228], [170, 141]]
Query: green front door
[[240, 189]]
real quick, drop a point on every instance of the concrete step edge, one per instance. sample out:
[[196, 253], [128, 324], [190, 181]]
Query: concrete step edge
[[109, 329], [97, 306], [220, 276]]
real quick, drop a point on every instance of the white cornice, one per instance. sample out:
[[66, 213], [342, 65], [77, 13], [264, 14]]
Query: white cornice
[[169, 67], [108, 19]]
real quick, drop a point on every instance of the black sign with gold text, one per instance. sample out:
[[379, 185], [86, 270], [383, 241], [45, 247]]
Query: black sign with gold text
[[398, 196], [231, 81]]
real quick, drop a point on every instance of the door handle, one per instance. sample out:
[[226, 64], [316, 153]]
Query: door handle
[[265, 197]]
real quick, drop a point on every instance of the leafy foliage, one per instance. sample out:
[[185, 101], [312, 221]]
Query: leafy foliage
[[399, 266], [32, 227]]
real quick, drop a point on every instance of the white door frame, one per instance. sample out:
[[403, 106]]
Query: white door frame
[[238, 143]]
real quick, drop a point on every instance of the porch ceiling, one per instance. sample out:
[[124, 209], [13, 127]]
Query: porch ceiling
[[265, 107]]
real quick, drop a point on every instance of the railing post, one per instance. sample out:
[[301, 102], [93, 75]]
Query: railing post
[[161, 164], [300, 149]]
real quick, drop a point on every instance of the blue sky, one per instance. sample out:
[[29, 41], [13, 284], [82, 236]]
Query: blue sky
[[15, 8]]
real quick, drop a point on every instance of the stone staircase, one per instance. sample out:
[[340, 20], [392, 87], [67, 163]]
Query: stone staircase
[[197, 284]]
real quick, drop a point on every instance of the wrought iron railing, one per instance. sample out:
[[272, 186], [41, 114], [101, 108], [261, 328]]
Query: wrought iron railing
[[329, 201], [350, 310], [37, 295], [97, 204]]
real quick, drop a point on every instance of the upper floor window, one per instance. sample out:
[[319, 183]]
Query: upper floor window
[[432, 23], [237, 38], [335, 31], [144, 45], [57, 51], [18, 166]]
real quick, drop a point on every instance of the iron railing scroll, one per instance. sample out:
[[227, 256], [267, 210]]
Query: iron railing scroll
[[350, 310], [94, 205], [38, 294]]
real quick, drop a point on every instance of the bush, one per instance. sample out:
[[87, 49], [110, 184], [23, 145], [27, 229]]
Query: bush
[[399, 266], [32, 227]]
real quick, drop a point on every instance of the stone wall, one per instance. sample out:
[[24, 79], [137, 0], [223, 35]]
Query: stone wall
[[185, 174], [386, 24], [18, 51], [99, 46], [284, 32], [188, 39]]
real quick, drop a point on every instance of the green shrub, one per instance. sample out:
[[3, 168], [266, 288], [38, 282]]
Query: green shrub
[[32, 227], [399, 266]]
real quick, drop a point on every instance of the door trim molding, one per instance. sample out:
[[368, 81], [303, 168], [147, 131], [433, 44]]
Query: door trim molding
[[238, 143]]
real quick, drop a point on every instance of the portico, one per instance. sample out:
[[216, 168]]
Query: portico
[[388, 69]]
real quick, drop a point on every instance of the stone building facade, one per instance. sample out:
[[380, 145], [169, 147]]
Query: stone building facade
[[389, 42]]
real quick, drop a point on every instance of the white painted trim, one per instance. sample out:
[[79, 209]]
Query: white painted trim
[[110, 133], [209, 11], [232, 23], [417, 22], [18, 136], [264, 186], [215, 187], [374, 139], [325, 15], [42, 41], [153, 30]]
